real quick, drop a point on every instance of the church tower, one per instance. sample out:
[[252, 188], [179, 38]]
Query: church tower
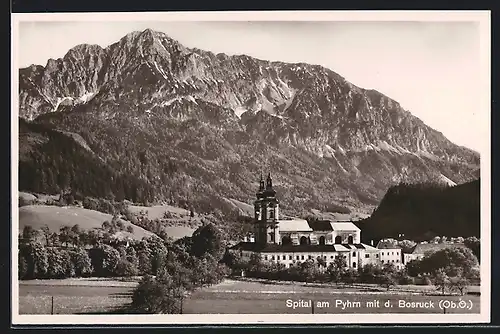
[[266, 213]]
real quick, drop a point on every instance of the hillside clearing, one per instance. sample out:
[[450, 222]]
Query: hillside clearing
[[178, 226], [56, 217]]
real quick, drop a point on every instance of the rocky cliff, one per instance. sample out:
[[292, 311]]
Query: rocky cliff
[[200, 126]]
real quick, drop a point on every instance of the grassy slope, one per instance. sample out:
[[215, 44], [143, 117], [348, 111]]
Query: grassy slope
[[56, 217], [181, 224]]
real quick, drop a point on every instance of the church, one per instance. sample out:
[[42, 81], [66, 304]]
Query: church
[[292, 240]]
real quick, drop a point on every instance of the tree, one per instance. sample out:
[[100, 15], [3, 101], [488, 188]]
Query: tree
[[65, 235], [106, 225], [337, 268], [459, 283], [350, 276], [308, 270], [156, 297], [207, 240], [441, 280], [104, 260], [29, 233], [369, 273], [59, 263], [144, 259], [474, 245], [46, 233], [93, 237], [125, 268], [406, 245], [451, 260], [386, 276], [130, 229], [22, 266], [75, 233], [36, 258], [81, 262]]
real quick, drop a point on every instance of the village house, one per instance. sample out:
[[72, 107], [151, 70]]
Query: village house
[[391, 253]]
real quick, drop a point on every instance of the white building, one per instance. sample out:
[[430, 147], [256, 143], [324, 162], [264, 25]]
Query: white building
[[391, 253], [292, 240]]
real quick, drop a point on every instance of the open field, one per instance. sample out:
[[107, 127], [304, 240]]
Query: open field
[[259, 298], [72, 299], [77, 296], [179, 225], [56, 217], [244, 209]]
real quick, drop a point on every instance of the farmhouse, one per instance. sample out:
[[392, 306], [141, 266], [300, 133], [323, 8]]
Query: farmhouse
[[292, 240]]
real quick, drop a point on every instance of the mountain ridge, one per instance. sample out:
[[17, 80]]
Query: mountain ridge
[[298, 120]]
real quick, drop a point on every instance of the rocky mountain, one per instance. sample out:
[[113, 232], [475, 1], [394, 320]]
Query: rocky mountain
[[199, 127]]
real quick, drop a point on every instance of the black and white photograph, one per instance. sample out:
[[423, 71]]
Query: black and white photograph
[[251, 167]]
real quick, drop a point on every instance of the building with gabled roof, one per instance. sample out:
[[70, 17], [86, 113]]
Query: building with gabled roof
[[390, 253]]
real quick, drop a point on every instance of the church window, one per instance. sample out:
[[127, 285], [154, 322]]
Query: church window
[[322, 240], [367, 255], [382, 261], [289, 257], [324, 257], [392, 261], [382, 253], [277, 257], [392, 253], [302, 257], [338, 239], [353, 254], [272, 258], [309, 257], [271, 214], [298, 258], [397, 260], [376, 255], [350, 239], [354, 264], [303, 240], [331, 257], [265, 257]]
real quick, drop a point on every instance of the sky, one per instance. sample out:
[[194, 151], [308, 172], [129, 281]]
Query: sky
[[431, 68]]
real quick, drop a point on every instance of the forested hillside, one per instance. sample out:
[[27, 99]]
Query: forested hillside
[[422, 211], [51, 161]]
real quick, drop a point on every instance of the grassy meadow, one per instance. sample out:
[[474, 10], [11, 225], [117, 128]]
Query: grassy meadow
[[80, 296]]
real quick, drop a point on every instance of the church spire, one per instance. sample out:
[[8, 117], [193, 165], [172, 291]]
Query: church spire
[[261, 184], [269, 183]]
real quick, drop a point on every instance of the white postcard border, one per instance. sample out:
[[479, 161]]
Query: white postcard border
[[483, 17]]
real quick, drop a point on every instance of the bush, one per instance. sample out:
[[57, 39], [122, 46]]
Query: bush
[[81, 262], [24, 202], [126, 268], [104, 260], [22, 266], [154, 297]]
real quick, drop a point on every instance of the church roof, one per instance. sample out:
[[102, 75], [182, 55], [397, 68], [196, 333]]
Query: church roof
[[388, 244], [274, 248], [344, 226], [294, 225], [321, 225], [432, 247]]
